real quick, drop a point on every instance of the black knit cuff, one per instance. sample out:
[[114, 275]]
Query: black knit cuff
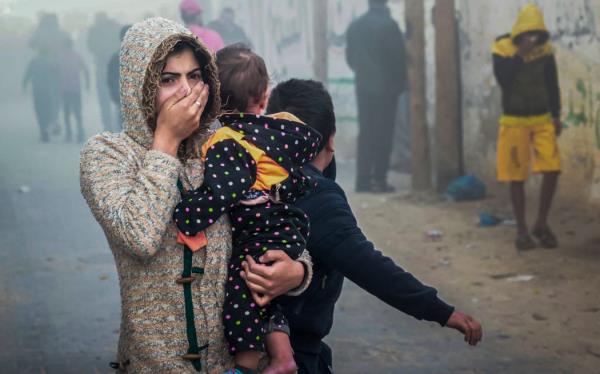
[[439, 312]]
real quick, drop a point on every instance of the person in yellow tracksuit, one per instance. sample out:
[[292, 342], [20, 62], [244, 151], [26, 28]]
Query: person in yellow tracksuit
[[525, 68]]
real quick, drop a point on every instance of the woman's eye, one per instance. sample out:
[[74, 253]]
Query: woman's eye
[[167, 80], [196, 76]]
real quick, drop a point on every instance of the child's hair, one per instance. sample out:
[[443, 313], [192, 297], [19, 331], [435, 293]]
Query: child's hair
[[243, 75], [309, 101]]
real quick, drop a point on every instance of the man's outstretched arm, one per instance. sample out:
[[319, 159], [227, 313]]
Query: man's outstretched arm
[[337, 241]]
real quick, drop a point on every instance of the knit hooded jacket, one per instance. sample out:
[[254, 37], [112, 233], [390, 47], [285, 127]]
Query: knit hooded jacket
[[132, 192]]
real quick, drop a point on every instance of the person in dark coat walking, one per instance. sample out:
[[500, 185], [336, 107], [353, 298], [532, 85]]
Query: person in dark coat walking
[[376, 53], [339, 249], [42, 74], [113, 79], [102, 41], [230, 31]]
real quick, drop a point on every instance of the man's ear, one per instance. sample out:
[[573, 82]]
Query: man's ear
[[262, 105], [330, 146]]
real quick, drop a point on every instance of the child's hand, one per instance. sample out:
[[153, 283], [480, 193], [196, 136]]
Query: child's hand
[[464, 323], [266, 282]]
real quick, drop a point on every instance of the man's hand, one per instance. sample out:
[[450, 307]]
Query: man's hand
[[266, 282], [464, 323], [558, 126]]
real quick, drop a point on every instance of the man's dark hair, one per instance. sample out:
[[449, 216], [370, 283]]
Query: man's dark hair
[[309, 101], [243, 75]]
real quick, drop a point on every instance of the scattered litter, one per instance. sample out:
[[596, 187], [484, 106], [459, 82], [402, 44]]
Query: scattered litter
[[538, 317], [488, 220], [520, 278], [502, 276], [592, 352], [445, 262], [465, 188], [434, 235], [591, 310], [491, 220], [24, 189]]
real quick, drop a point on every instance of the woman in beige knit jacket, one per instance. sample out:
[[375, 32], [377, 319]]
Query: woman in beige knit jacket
[[171, 300]]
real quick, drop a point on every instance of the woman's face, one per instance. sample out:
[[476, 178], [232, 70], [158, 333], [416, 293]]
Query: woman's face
[[181, 70]]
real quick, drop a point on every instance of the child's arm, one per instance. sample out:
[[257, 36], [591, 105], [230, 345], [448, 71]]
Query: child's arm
[[229, 173]]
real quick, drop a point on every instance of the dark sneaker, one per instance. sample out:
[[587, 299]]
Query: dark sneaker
[[524, 242], [546, 237]]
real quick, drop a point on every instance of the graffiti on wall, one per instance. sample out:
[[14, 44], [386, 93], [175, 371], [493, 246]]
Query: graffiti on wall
[[583, 108]]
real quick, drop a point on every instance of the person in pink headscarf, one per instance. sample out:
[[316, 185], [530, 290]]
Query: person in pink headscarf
[[191, 14]]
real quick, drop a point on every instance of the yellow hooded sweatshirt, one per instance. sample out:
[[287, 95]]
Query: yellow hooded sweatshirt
[[530, 91]]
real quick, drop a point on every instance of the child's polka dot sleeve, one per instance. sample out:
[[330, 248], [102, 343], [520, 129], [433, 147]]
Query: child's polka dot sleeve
[[229, 173]]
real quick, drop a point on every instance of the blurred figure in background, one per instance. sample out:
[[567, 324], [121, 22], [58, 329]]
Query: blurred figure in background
[[47, 37], [525, 68], [112, 79], [375, 52], [71, 69], [42, 74], [102, 41], [191, 15], [401, 155], [230, 31], [47, 40]]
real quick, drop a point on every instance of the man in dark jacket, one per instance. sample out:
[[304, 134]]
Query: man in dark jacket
[[102, 41], [113, 78], [230, 31], [375, 52], [339, 249]]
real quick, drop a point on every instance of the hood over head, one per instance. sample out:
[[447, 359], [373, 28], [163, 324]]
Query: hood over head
[[530, 19], [143, 56]]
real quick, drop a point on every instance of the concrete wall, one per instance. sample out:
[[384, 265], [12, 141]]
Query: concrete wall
[[575, 30]]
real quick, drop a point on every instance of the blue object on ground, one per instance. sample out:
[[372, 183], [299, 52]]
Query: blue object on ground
[[488, 220], [465, 188]]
